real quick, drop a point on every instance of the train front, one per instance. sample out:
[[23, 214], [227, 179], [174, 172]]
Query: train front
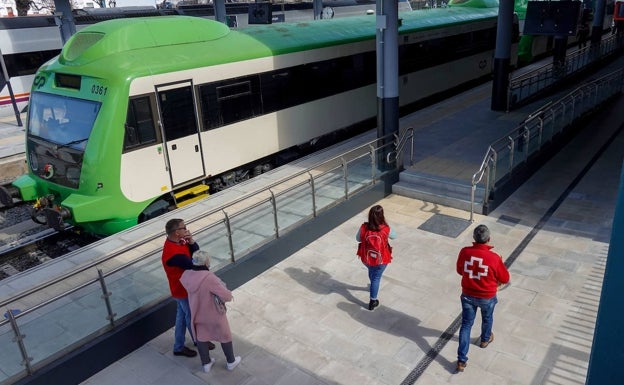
[[74, 136], [59, 129]]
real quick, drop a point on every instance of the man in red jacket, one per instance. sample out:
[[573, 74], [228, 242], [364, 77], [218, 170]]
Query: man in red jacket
[[176, 258], [482, 271]]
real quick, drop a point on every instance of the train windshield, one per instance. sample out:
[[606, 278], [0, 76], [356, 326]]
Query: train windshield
[[62, 120]]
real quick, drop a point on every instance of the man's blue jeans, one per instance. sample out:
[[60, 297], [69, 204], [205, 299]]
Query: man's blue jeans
[[374, 274], [469, 313], [182, 323]]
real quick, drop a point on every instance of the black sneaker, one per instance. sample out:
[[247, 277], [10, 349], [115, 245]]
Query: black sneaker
[[211, 346], [373, 304], [186, 352]]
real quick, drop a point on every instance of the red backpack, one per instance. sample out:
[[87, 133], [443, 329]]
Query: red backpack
[[374, 249]]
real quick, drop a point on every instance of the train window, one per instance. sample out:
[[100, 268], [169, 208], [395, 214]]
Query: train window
[[27, 63], [230, 101], [275, 89], [62, 120], [325, 73], [140, 129], [416, 56], [67, 81], [424, 54], [357, 71], [484, 40], [177, 108], [235, 102], [619, 10], [237, 99]]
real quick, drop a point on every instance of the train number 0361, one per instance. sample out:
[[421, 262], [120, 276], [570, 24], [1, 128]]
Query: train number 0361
[[98, 90]]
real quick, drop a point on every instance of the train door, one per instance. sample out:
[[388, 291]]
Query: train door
[[180, 131]]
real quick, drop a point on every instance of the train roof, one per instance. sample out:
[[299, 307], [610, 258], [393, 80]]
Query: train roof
[[120, 35]]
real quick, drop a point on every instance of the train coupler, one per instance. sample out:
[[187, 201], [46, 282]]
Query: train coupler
[[44, 212], [55, 217], [7, 194]]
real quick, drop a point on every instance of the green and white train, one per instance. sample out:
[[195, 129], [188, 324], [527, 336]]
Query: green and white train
[[136, 115]]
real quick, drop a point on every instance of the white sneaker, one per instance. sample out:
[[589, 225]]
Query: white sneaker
[[232, 365], [208, 366]]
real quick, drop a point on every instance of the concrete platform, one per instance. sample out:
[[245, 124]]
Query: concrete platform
[[304, 320], [12, 145]]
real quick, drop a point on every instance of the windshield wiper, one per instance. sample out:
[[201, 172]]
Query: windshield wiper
[[72, 143]]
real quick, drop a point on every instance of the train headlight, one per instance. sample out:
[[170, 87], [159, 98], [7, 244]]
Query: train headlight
[[34, 163], [73, 175]]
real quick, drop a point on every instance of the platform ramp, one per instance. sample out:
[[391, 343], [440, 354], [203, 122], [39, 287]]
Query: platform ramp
[[456, 176]]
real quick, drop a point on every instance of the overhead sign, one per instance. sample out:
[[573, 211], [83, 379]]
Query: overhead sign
[[552, 18], [260, 13]]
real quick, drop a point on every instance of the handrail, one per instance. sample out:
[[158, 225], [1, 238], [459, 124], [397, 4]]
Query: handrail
[[223, 223], [293, 176], [528, 84], [478, 176], [400, 143], [137, 242], [580, 101]]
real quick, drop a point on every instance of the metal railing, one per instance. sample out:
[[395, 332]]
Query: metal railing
[[516, 147], [46, 322], [399, 145], [531, 83]]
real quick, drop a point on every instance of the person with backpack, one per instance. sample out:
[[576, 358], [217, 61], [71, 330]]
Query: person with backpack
[[374, 250]]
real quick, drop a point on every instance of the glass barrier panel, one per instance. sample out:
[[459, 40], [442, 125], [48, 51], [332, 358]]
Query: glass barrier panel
[[548, 128], [10, 355], [215, 241], [519, 155], [502, 165], [294, 207], [329, 189], [534, 141], [65, 324], [252, 228], [137, 286], [557, 119], [359, 174]]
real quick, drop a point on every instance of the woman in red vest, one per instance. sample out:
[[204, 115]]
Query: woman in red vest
[[374, 249]]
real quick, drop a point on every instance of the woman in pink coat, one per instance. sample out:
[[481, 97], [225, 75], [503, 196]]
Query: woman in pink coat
[[207, 297]]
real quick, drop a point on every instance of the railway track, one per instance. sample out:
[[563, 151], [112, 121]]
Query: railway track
[[23, 254], [26, 244]]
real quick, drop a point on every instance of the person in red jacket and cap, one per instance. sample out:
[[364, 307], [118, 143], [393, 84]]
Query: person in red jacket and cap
[[482, 272]]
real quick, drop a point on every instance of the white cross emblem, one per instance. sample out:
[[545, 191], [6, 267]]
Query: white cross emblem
[[475, 271]]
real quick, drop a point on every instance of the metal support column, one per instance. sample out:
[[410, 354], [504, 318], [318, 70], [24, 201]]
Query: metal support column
[[502, 55], [64, 19], [317, 6], [387, 71], [559, 54], [219, 11], [596, 32]]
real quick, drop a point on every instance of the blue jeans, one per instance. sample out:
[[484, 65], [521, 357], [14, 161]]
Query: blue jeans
[[469, 313], [182, 323], [374, 274]]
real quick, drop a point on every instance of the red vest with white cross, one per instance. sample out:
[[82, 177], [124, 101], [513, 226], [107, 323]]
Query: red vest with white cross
[[482, 270]]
